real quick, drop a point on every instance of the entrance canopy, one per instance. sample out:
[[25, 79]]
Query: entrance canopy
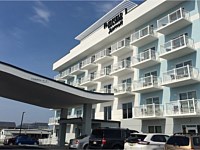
[[24, 86]]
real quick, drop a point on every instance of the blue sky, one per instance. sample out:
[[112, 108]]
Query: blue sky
[[35, 34]]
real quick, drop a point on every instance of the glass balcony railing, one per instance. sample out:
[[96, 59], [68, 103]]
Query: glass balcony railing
[[123, 87], [106, 90], [103, 72], [180, 73], [148, 110], [150, 81], [172, 17], [183, 107], [120, 44], [88, 61], [76, 67], [121, 65], [103, 53], [141, 33], [176, 43], [89, 78], [54, 120], [146, 55]]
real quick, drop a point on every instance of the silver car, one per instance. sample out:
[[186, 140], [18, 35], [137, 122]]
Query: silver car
[[80, 142]]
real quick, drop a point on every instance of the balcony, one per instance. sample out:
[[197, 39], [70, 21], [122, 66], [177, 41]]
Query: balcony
[[176, 48], [88, 63], [103, 75], [103, 56], [185, 75], [147, 84], [123, 90], [183, 108], [122, 67], [105, 90], [145, 59], [174, 21], [53, 121], [89, 80], [143, 36], [76, 69], [149, 111], [121, 47], [78, 83]]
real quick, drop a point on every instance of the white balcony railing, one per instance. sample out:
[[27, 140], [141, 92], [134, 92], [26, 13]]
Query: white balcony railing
[[149, 110], [150, 81], [88, 61], [79, 81], [103, 53], [172, 17], [183, 107], [176, 43], [146, 55], [103, 72], [120, 44], [123, 87], [121, 65], [181, 73], [148, 30], [89, 78], [106, 90], [76, 67]]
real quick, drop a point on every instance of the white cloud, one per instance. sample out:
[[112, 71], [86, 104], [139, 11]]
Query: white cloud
[[42, 14], [102, 7]]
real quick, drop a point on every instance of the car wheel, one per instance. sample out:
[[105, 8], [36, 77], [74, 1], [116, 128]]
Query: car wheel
[[19, 143], [35, 143], [86, 146]]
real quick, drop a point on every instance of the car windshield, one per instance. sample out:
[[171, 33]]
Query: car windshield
[[196, 141], [81, 137], [178, 140], [140, 137]]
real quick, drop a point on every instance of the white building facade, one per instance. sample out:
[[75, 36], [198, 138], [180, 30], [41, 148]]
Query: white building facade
[[149, 57]]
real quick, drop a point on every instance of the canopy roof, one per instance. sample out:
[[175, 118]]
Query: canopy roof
[[24, 86]]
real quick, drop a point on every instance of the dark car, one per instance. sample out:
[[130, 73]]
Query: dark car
[[10, 141], [80, 142], [24, 139], [108, 138], [183, 141]]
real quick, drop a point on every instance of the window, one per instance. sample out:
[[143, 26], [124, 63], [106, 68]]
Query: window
[[188, 95], [107, 88], [126, 62], [148, 80], [79, 113], [107, 113], [93, 113], [126, 84], [107, 70], [152, 100], [69, 112], [127, 110], [154, 129], [92, 75], [159, 138]]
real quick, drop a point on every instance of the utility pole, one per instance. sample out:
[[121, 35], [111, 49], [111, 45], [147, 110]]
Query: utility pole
[[20, 130]]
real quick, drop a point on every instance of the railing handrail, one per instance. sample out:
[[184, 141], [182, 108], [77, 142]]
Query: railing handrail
[[185, 100], [167, 16], [121, 62], [150, 30], [101, 54], [117, 45], [175, 69], [148, 77], [144, 105], [148, 54]]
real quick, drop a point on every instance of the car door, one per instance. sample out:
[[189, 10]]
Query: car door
[[158, 142]]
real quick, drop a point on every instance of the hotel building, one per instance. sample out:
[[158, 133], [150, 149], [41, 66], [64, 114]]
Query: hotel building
[[148, 56]]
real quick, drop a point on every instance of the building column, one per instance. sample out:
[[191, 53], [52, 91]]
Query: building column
[[87, 123], [62, 127]]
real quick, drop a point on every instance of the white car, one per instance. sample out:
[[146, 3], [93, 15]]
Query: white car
[[146, 141]]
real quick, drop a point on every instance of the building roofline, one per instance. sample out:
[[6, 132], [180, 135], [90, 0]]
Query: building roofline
[[113, 12]]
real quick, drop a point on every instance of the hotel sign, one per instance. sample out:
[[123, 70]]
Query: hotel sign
[[114, 23]]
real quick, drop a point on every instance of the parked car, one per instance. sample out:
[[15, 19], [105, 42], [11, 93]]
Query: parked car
[[183, 142], [24, 139], [108, 138], [10, 141], [80, 142], [146, 141]]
